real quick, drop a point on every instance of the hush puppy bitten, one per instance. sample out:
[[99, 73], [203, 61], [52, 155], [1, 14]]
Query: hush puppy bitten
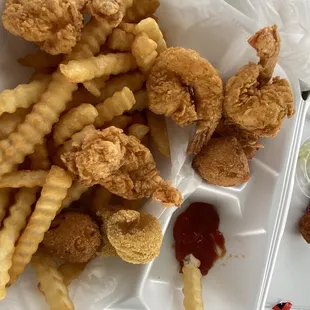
[[121, 164], [136, 236], [73, 237], [222, 162]]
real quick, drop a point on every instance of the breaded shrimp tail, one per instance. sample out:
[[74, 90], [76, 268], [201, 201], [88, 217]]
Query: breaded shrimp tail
[[267, 44]]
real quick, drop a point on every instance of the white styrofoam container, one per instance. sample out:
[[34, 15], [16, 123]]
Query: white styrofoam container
[[292, 268], [252, 215]]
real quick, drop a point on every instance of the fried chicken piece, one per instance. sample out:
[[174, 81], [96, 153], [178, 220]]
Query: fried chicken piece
[[188, 88], [248, 141], [74, 237], [222, 162], [55, 25], [253, 103], [121, 164], [136, 236]]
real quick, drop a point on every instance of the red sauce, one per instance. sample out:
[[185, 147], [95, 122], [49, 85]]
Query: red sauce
[[196, 232]]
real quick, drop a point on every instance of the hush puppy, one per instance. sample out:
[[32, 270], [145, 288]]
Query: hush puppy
[[74, 237], [222, 162]]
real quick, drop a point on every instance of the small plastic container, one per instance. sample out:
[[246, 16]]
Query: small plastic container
[[303, 168]]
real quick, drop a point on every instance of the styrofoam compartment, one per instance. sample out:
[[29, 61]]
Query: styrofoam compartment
[[251, 214], [292, 268]]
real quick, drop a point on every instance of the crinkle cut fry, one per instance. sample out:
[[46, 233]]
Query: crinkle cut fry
[[74, 121], [51, 282], [52, 103], [5, 195], [116, 105], [79, 71], [9, 234], [192, 284], [23, 178], [54, 191], [23, 96]]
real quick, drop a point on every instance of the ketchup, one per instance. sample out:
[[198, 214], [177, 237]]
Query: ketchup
[[196, 232]]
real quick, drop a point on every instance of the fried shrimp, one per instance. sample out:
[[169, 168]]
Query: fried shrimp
[[251, 101], [188, 88]]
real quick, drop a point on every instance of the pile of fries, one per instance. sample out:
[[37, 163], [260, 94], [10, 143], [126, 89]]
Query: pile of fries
[[99, 84]]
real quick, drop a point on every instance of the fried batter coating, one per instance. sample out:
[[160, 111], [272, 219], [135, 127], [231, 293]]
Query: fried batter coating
[[136, 236], [188, 88], [55, 25], [74, 237], [121, 164], [110, 10], [249, 141], [222, 162], [251, 101], [304, 226], [267, 44]]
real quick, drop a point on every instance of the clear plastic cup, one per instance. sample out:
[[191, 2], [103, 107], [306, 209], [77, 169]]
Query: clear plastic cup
[[303, 168]]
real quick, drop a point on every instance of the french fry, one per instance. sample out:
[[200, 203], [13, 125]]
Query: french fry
[[23, 96], [81, 96], [45, 113], [120, 40], [9, 234], [37, 124], [150, 27], [192, 284], [138, 118], [5, 196], [23, 178], [144, 51], [74, 121], [158, 132], [51, 282], [10, 121], [120, 121], [141, 101], [138, 130], [101, 199], [74, 193], [40, 158], [116, 105], [128, 27], [71, 271], [94, 86], [53, 192], [40, 60], [79, 71], [133, 80], [141, 9]]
